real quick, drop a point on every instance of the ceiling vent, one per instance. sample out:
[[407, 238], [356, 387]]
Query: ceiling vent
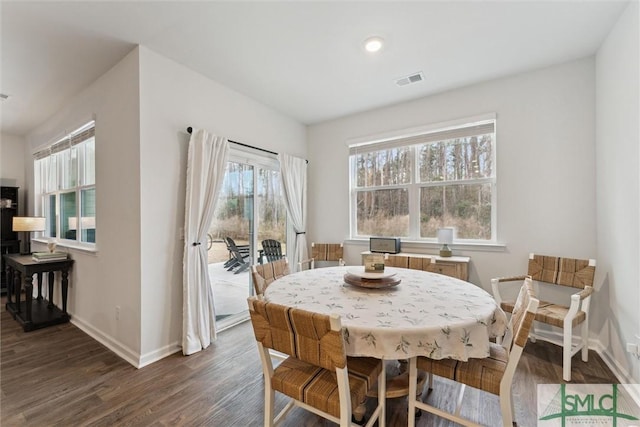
[[413, 78]]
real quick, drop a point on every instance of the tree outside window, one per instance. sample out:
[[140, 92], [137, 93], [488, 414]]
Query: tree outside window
[[412, 186]]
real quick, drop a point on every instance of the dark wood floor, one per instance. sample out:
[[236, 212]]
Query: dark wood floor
[[59, 376]]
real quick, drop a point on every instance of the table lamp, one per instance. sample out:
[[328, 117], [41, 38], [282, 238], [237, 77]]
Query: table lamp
[[28, 224], [445, 237]]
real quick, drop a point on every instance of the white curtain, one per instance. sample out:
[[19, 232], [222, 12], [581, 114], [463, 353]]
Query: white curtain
[[293, 172], [206, 165]]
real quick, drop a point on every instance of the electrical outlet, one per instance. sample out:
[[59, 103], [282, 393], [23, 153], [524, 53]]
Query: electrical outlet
[[117, 312], [632, 348]]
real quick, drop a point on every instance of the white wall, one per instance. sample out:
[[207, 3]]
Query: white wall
[[110, 277], [173, 97], [545, 163], [618, 190], [13, 150], [142, 108]]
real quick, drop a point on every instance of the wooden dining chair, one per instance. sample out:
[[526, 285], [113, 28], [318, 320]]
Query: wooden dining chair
[[321, 252], [493, 374], [307, 264], [566, 314], [263, 275], [317, 374], [328, 252]]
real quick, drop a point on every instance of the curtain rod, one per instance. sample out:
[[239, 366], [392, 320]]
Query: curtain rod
[[190, 130]]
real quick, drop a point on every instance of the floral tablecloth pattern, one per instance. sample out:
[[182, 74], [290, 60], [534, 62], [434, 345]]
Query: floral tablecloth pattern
[[427, 314]]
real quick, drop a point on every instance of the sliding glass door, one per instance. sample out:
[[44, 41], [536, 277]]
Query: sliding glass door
[[250, 209], [272, 213]]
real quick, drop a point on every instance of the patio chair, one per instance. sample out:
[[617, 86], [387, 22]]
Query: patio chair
[[232, 262], [571, 273], [241, 258], [317, 375], [271, 249], [493, 374]]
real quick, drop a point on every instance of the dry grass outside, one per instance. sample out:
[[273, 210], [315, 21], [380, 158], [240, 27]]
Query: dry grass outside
[[380, 225], [398, 226], [233, 227], [466, 228]]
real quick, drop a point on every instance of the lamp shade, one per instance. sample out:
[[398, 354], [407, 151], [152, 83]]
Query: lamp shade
[[445, 235], [29, 223]]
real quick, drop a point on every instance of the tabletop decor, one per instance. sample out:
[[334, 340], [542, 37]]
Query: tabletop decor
[[49, 256], [362, 277], [445, 237], [373, 262]]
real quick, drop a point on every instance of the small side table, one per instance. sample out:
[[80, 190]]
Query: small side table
[[35, 313], [7, 247]]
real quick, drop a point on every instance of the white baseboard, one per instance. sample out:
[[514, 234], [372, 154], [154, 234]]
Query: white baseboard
[[622, 375], [123, 351], [158, 354], [118, 348]]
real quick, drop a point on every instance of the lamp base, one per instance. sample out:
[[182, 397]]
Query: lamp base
[[445, 252]]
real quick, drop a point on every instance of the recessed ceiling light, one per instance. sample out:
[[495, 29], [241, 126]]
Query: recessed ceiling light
[[373, 44]]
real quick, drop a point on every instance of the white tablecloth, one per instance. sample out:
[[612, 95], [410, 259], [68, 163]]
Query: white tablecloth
[[427, 314]]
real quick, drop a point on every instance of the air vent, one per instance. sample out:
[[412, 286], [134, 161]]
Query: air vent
[[413, 78]]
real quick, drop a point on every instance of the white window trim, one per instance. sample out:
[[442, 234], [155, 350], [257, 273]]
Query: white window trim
[[70, 244], [415, 131]]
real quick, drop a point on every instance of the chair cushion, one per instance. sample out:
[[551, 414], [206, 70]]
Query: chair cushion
[[445, 368], [366, 368], [318, 387], [552, 314], [484, 374]]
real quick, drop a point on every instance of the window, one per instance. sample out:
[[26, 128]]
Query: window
[[65, 182], [412, 185]]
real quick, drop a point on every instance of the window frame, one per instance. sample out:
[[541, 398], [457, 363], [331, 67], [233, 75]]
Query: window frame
[[77, 140], [414, 138]]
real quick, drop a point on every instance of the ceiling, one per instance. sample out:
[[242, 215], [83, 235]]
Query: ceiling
[[302, 58]]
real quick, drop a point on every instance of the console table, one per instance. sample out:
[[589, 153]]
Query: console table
[[35, 313], [454, 266]]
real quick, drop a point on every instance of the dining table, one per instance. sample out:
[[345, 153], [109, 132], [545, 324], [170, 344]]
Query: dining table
[[397, 314]]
